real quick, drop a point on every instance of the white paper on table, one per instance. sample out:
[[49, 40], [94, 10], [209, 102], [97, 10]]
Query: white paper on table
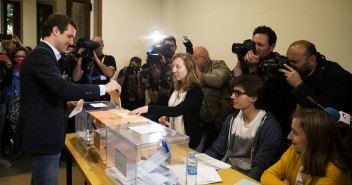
[[144, 129], [77, 109], [246, 182], [207, 175], [98, 105]]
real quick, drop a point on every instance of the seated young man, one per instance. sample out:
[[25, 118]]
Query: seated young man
[[250, 138]]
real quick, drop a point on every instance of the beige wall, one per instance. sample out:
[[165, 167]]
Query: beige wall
[[29, 22], [126, 26], [218, 24]]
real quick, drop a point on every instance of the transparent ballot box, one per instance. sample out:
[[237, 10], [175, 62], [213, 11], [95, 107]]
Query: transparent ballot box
[[146, 154], [83, 125], [112, 117]]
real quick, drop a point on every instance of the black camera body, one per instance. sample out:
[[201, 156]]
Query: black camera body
[[154, 56], [131, 69], [88, 46], [242, 49], [188, 44], [145, 73], [275, 63]]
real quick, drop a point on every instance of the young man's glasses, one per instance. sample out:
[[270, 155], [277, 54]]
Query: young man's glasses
[[237, 93]]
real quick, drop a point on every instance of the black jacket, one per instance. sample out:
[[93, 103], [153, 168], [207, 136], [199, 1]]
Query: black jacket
[[328, 86], [190, 109], [43, 115]]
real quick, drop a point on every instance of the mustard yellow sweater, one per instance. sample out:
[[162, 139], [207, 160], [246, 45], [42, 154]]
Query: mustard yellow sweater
[[288, 166]]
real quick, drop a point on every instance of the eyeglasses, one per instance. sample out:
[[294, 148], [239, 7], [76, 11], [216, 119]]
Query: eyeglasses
[[20, 56], [238, 93]]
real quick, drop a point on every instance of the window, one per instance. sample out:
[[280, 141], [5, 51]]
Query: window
[[12, 19]]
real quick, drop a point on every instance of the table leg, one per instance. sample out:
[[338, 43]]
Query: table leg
[[68, 169]]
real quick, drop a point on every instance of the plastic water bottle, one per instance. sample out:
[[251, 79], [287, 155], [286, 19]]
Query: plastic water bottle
[[192, 166]]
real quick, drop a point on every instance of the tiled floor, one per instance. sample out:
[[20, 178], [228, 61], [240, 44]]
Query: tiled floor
[[20, 173]]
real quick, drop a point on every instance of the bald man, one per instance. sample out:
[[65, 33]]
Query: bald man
[[217, 92], [97, 70]]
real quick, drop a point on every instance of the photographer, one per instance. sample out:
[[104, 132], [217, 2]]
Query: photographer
[[216, 106], [68, 63], [95, 70], [265, 41], [316, 81], [132, 95], [161, 69], [10, 43]]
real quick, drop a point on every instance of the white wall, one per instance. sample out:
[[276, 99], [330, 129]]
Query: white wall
[[126, 26], [217, 24]]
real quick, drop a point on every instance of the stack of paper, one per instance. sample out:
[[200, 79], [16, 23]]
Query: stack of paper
[[211, 162]]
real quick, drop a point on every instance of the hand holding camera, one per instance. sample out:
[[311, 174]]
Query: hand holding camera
[[292, 76], [251, 58]]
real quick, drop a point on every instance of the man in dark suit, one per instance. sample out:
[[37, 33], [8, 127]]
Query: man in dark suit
[[44, 95]]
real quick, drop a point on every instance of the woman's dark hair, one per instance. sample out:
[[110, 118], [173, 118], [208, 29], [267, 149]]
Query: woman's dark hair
[[253, 86], [324, 143], [59, 20]]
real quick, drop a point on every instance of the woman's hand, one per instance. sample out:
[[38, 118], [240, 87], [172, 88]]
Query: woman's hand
[[139, 111]]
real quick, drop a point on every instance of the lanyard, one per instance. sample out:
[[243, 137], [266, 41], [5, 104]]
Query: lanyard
[[102, 60]]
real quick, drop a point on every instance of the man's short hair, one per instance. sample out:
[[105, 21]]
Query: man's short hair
[[253, 86], [169, 38], [136, 59], [59, 20], [268, 31]]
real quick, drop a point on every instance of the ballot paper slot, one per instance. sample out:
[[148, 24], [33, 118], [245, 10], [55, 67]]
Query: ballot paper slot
[[84, 126], [146, 154]]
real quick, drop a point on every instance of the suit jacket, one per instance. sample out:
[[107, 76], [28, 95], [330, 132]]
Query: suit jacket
[[43, 114]]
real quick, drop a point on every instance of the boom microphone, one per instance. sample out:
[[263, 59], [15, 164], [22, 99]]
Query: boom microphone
[[338, 115]]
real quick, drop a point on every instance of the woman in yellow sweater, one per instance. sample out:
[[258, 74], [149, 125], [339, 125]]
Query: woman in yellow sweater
[[317, 155]]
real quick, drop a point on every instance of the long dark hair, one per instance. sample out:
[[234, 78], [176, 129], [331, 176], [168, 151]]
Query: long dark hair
[[324, 143]]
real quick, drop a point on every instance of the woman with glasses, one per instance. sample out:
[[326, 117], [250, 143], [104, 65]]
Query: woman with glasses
[[185, 102], [250, 138], [317, 154], [12, 84]]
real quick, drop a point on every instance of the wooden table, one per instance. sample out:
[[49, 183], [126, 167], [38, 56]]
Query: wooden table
[[94, 172]]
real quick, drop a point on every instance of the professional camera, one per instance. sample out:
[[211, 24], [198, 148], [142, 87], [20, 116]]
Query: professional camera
[[274, 64], [154, 52], [88, 45], [188, 44], [242, 49], [131, 69]]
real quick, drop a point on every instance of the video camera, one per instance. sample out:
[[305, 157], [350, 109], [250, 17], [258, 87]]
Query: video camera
[[274, 64], [131, 69], [154, 52], [242, 49], [188, 44], [88, 45]]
